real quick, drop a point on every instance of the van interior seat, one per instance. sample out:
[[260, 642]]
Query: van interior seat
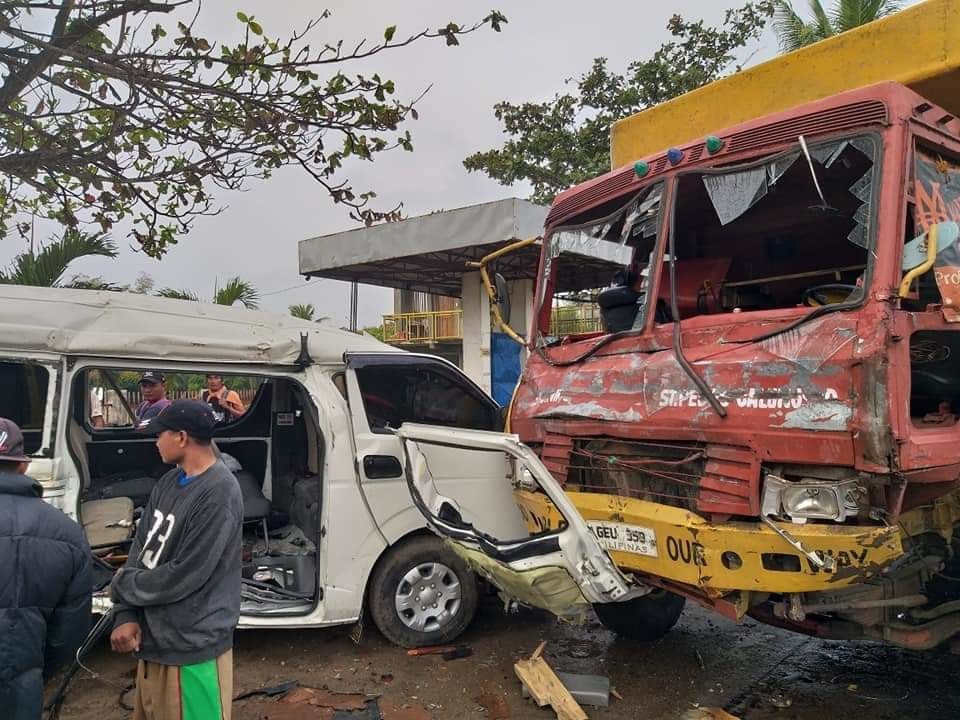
[[107, 522]]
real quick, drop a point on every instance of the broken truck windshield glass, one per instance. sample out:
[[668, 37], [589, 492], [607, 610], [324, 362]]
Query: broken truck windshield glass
[[781, 233], [793, 231], [596, 265]]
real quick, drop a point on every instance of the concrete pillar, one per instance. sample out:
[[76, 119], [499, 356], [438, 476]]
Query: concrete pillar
[[476, 330], [521, 310]]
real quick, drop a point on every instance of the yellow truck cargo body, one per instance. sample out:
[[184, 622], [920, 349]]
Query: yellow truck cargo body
[[918, 47]]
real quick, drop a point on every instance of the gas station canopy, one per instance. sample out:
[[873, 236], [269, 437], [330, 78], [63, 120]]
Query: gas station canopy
[[429, 253]]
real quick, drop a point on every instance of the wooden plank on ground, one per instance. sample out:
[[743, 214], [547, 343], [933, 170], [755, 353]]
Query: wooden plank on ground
[[545, 687]]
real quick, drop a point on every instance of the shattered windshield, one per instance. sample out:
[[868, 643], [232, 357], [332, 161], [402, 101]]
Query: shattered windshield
[[587, 263], [792, 231]]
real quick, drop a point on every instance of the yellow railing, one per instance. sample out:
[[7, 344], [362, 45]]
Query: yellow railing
[[575, 319], [423, 327], [447, 325]]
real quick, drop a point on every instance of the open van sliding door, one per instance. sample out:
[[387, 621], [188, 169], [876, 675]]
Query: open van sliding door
[[388, 389], [564, 571]]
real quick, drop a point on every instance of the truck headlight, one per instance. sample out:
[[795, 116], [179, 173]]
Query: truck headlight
[[808, 499]]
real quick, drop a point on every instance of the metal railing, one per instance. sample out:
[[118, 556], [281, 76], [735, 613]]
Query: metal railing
[[423, 327], [575, 319]]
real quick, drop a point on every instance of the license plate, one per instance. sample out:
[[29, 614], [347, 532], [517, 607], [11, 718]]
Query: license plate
[[625, 538]]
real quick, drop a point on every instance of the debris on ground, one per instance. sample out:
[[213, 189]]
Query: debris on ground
[[494, 705], [432, 650], [780, 701], [389, 711], [325, 699], [708, 713], [617, 695], [591, 690], [273, 691], [306, 703], [545, 687], [461, 651]]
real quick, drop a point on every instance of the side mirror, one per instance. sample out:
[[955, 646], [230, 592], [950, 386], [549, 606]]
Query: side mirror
[[503, 297]]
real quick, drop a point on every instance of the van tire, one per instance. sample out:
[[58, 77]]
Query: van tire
[[644, 618], [421, 555]]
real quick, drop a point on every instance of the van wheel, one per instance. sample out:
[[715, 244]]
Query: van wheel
[[644, 618], [422, 593]]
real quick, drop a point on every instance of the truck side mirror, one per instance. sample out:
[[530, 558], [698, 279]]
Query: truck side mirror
[[503, 297]]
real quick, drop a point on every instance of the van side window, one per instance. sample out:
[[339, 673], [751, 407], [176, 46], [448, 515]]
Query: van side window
[[23, 399], [395, 394]]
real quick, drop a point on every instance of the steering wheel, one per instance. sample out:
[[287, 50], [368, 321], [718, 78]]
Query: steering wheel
[[827, 294]]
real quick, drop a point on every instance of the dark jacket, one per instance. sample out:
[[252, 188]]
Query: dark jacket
[[45, 591]]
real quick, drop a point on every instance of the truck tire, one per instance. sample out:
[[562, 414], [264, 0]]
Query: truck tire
[[644, 618], [422, 593]]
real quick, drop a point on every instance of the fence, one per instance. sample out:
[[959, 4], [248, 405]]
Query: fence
[[114, 412], [423, 328]]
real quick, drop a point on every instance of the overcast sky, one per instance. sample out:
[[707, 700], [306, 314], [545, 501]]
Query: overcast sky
[[545, 42]]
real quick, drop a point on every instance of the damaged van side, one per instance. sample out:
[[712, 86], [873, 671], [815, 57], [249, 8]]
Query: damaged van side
[[329, 527]]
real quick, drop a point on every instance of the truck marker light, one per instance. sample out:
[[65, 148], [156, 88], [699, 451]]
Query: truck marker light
[[641, 168], [674, 155], [713, 144]]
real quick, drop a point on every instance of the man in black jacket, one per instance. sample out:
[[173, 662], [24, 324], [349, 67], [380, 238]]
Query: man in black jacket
[[45, 584]]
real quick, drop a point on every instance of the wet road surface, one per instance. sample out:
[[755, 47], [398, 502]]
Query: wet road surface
[[752, 671]]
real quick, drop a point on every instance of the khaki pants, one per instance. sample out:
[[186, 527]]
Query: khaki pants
[[189, 692]]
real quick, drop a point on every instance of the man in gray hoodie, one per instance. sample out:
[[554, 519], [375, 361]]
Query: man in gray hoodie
[[177, 599]]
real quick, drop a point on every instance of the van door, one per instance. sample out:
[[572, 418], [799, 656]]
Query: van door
[[563, 570], [30, 395], [386, 390]]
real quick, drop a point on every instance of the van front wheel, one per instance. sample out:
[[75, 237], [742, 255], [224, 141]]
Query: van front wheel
[[644, 618], [422, 593]]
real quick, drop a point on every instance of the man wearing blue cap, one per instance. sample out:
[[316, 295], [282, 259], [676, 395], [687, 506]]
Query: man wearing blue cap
[[177, 598]]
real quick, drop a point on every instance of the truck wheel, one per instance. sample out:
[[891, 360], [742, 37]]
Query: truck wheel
[[644, 618], [422, 593]]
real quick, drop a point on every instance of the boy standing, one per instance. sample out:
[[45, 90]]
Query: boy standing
[[178, 597]]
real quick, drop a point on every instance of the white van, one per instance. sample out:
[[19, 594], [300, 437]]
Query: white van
[[330, 528]]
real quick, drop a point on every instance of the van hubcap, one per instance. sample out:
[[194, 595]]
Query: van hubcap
[[428, 597]]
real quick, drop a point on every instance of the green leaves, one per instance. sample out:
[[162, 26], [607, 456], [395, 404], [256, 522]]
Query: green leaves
[[794, 32], [496, 19], [556, 144], [138, 120], [47, 266]]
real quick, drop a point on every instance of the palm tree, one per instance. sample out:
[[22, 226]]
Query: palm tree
[[47, 266], [303, 312], [235, 291], [794, 32]]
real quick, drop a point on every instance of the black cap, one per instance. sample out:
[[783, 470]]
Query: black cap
[[11, 442], [193, 417], [152, 377]]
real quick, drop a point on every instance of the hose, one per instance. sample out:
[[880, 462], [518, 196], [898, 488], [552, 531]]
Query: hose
[[691, 372]]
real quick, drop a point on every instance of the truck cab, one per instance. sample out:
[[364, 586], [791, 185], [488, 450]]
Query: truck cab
[[767, 422]]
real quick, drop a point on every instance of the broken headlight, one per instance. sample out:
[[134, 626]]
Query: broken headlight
[[807, 499]]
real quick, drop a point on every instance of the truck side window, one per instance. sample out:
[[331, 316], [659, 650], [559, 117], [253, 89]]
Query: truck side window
[[23, 399], [395, 394]]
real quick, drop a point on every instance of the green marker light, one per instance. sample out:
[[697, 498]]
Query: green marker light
[[641, 168], [714, 144]]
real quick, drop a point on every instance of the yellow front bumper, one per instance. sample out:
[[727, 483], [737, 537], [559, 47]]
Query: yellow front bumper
[[691, 550]]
